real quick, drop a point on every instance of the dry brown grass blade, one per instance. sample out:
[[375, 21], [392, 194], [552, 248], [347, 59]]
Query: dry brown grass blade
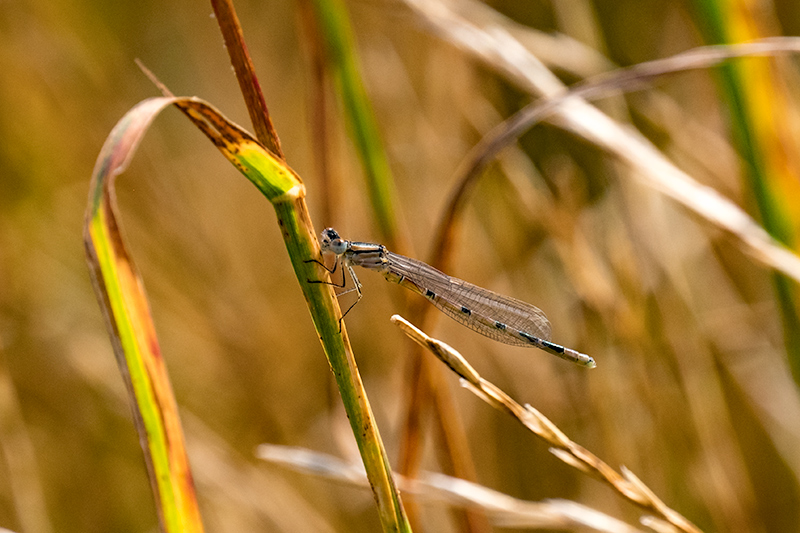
[[496, 48], [503, 510], [246, 75], [626, 484]]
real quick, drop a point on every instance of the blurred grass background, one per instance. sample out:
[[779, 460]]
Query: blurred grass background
[[692, 390]]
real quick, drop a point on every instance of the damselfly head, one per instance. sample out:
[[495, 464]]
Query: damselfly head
[[331, 242]]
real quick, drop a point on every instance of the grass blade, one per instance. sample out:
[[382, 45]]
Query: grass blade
[[333, 21], [757, 115], [121, 294]]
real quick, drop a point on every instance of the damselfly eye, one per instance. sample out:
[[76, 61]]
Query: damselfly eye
[[337, 246], [331, 242], [328, 235]]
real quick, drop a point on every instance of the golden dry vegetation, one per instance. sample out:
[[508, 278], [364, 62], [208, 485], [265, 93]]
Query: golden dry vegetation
[[693, 390]]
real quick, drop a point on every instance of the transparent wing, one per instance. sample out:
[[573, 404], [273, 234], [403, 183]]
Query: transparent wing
[[477, 308]]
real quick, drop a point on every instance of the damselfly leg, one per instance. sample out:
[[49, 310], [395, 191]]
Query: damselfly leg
[[356, 283]]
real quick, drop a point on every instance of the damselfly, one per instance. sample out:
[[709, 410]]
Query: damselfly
[[498, 317]]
